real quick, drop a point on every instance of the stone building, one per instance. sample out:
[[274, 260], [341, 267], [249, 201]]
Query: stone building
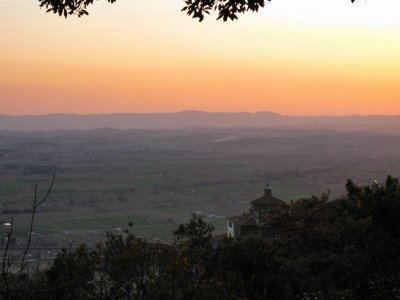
[[253, 222]]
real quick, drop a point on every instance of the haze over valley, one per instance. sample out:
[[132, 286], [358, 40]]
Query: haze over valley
[[195, 119], [157, 178], [197, 149]]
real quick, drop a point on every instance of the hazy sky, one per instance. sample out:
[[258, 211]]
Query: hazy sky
[[297, 57]]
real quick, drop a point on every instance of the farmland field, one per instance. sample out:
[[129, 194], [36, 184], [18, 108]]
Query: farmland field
[[157, 179]]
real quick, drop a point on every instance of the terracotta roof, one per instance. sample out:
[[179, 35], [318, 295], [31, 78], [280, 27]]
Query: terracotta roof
[[243, 220], [267, 199]]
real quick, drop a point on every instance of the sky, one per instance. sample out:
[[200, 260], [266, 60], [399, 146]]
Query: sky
[[308, 57]]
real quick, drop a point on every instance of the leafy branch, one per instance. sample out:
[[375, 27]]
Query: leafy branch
[[197, 9]]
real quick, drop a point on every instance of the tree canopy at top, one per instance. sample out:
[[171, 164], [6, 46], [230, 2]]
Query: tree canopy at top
[[226, 9]]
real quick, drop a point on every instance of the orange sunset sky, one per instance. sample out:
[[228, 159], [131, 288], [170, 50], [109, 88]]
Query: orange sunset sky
[[295, 57]]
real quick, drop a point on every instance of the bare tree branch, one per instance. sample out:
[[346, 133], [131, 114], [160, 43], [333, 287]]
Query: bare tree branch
[[6, 261], [35, 205]]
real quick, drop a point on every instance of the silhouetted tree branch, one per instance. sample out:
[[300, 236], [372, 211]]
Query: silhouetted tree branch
[[68, 7], [226, 9], [6, 261], [36, 203], [10, 286]]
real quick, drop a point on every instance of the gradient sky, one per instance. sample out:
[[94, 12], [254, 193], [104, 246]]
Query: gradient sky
[[296, 57]]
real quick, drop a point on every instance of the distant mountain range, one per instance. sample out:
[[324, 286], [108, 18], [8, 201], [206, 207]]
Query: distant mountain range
[[198, 119]]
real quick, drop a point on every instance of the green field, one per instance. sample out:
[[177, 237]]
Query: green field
[[157, 178], [170, 209], [140, 226], [12, 188], [93, 223]]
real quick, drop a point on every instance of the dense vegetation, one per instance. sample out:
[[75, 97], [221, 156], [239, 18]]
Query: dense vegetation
[[342, 249]]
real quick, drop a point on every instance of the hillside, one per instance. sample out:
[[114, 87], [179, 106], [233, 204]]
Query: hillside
[[195, 119]]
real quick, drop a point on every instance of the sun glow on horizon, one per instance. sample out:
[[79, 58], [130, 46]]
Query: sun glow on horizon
[[294, 57]]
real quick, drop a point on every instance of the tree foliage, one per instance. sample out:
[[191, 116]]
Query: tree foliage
[[329, 249], [197, 9], [68, 7]]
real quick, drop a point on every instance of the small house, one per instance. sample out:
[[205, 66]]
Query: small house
[[253, 221]]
